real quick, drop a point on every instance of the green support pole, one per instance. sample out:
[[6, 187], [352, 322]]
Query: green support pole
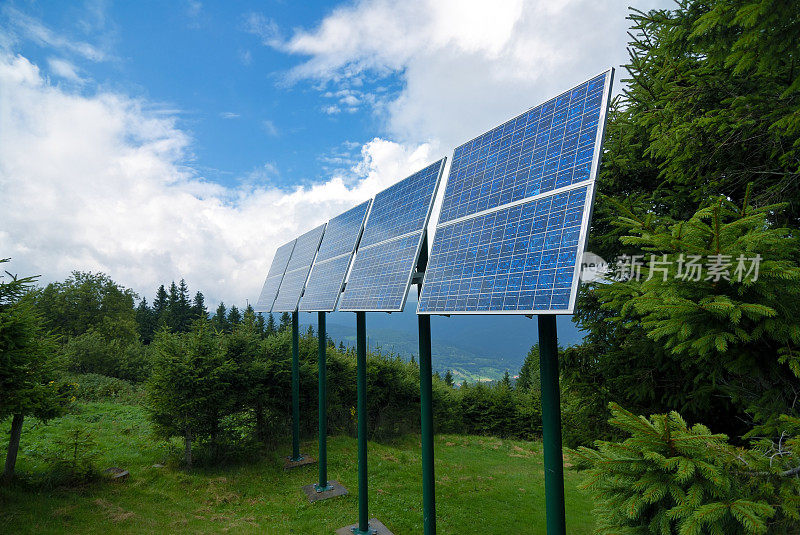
[[323, 486], [361, 385], [295, 388], [426, 404], [551, 426]]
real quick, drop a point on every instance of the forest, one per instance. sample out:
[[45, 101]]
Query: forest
[[680, 406]]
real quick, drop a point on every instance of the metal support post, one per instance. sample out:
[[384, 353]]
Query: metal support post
[[361, 386], [426, 404], [296, 457], [551, 426], [322, 485]]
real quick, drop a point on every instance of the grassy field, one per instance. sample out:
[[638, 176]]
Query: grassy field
[[484, 485]]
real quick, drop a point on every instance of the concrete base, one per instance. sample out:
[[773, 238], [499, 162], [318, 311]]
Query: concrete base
[[374, 524], [306, 459], [314, 496]]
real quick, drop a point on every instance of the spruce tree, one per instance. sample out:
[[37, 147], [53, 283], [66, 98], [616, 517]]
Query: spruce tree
[[234, 317], [270, 329], [199, 310], [448, 378], [220, 320], [670, 478]]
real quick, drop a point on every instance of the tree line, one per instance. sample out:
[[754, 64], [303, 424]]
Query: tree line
[[224, 379]]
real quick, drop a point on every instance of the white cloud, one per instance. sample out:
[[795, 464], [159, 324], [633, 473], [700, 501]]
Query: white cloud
[[465, 65], [44, 36], [229, 115], [265, 28], [64, 69], [100, 183]]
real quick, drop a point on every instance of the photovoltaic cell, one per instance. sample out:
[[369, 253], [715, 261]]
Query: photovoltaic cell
[[333, 259], [305, 249], [516, 211], [393, 235], [274, 277]]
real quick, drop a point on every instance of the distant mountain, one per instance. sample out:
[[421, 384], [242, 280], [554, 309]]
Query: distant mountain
[[472, 347]]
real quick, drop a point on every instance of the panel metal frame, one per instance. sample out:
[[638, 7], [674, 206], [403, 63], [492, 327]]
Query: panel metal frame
[[585, 221], [423, 235]]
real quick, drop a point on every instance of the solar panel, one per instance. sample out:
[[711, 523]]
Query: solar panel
[[274, 277], [333, 259], [390, 246], [305, 249], [516, 210]]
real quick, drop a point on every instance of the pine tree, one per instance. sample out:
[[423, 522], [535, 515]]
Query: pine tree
[[285, 322], [220, 320], [261, 326], [183, 308], [146, 320], [529, 373], [199, 310], [448, 378], [270, 329], [234, 317], [27, 370], [161, 306]]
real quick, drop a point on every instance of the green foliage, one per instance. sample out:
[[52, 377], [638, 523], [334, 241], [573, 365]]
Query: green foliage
[[96, 387], [670, 478], [529, 378], [189, 390], [87, 301], [73, 456], [91, 352], [739, 337], [27, 371], [711, 105]]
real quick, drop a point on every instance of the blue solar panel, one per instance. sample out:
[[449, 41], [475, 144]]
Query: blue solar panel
[[516, 211], [403, 207], [330, 267], [387, 255], [325, 284], [305, 249], [546, 148], [342, 233], [517, 258], [274, 277], [381, 275]]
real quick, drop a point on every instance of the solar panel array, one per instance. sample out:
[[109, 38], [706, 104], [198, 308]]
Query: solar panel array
[[516, 210], [305, 249], [333, 259], [387, 255], [270, 290]]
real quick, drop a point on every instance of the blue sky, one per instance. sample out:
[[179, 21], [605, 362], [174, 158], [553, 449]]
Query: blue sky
[[160, 140], [207, 64]]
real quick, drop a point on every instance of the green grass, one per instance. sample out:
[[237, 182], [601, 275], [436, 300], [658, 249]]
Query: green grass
[[483, 485]]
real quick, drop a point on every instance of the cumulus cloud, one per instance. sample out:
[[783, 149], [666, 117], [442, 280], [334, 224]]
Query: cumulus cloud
[[98, 182], [465, 65]]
